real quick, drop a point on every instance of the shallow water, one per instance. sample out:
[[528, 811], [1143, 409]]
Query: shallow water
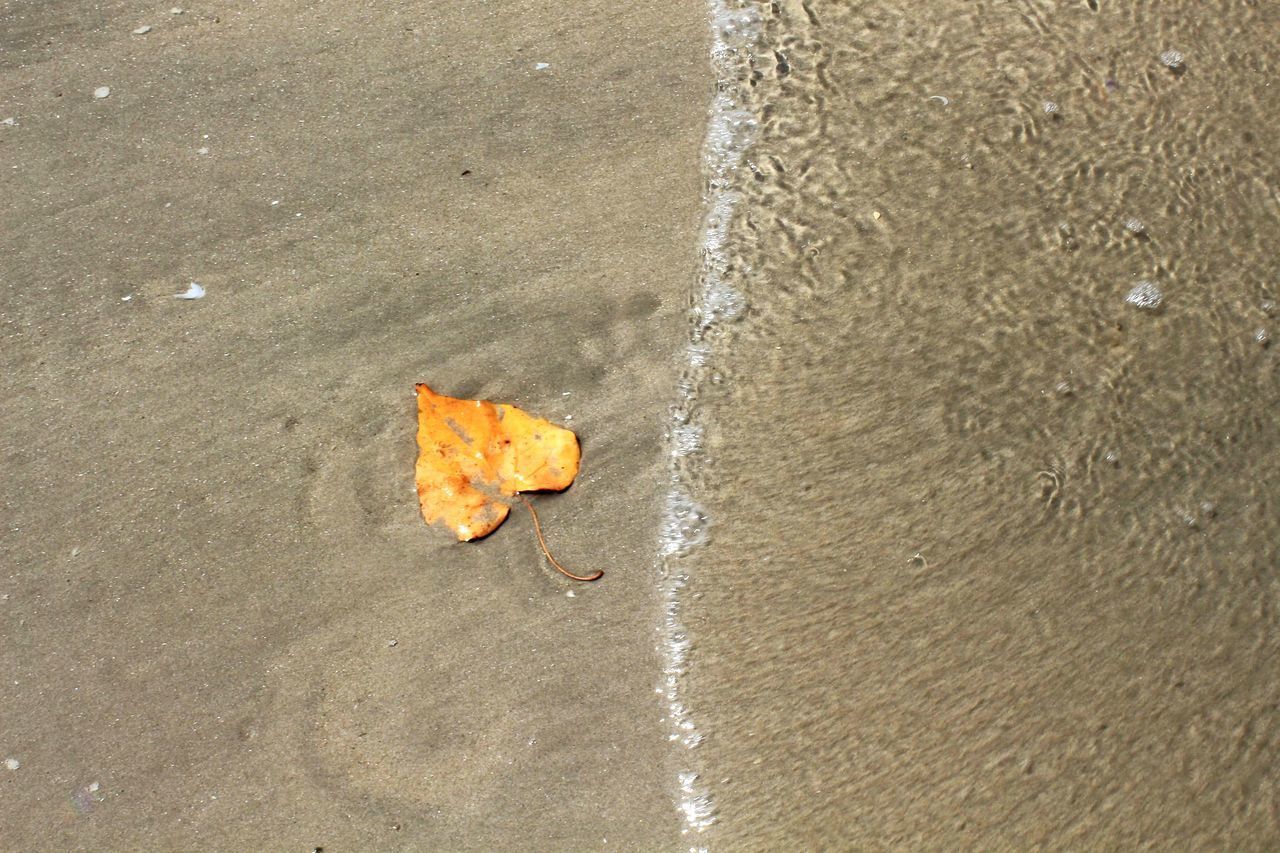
[[990, 457]]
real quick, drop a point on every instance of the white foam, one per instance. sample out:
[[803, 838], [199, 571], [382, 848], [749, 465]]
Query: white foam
[[731, 130], [686, 439], [695, 804], [684, 521]]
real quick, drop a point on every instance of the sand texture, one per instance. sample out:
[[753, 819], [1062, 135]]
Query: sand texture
[[224, 624]]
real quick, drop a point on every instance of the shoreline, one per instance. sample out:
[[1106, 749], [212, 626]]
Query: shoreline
[[730, 133]]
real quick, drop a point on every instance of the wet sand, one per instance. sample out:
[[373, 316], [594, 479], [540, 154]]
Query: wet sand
[[993, 556], [224, 624]]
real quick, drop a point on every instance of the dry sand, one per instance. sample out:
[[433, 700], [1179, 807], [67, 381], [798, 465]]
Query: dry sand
[[224, 624]]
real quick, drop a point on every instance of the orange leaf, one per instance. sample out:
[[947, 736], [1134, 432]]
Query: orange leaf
[[473, 453]]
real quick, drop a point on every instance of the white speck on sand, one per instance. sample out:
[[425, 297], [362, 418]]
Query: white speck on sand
[[541, 66], [12, 763], [142, 30], [202, 151], [176, 10], [126, 297], [193, 291], [9, 122], [101, 92], [1145, 295]]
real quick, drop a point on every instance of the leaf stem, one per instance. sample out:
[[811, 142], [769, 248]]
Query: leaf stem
[[537, 528]]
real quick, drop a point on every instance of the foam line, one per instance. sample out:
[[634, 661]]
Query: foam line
[[731, 130]]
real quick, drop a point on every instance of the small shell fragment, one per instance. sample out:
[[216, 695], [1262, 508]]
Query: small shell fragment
[[101, 92], [193, 291]]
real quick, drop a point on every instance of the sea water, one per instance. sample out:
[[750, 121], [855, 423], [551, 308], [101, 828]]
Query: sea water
[[974, 518]]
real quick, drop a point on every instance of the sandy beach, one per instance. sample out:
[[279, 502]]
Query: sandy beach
[[224, 623], [923, 364]]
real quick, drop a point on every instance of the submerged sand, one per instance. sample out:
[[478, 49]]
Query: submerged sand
[[224, 623], [994, 536]]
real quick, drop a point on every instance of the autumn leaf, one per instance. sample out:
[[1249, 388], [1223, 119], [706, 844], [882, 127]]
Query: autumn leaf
[[473, 454]]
